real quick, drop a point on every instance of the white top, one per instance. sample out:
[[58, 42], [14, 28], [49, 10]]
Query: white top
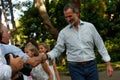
[[38, 73]]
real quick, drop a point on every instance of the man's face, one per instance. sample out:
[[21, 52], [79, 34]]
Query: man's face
[[5, 35], [71, 17]]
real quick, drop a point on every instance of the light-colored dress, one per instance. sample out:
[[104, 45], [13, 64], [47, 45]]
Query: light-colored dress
[[38, 73]]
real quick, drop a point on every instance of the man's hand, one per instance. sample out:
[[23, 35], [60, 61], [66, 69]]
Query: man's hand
[[34, 61], [16, 64], [44, 57], [109, 69]]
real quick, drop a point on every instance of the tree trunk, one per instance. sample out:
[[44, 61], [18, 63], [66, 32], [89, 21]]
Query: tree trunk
[[43, 12], [4, 12], [12, 15]]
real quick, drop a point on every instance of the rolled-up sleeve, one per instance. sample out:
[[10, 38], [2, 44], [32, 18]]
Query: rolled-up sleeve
[[100, 45]]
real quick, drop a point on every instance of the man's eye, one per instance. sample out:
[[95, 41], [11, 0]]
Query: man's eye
[[68, 16]]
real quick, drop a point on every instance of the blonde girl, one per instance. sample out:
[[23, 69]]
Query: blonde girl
[[42, 71], [44, 48]]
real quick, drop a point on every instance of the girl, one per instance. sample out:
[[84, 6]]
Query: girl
[[42, 71], [43, 48]]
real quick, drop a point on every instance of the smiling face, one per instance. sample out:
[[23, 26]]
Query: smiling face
[[29, 52], [42, 49], [71, 17], [5, 34]]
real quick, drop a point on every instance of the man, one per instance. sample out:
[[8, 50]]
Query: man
[[5, 48], [9, 71], [5, 35], [16, 64], [79, 38]]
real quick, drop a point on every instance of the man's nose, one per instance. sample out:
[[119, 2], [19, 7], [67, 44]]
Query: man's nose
[[68, 19]]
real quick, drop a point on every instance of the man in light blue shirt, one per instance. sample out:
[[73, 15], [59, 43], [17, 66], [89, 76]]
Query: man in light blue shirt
[[5, 49], [80, 38], [7, 71]]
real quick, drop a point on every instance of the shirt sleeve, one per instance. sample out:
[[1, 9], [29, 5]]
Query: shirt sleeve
[[100, 45], [59, 47], [5, 72], [15, 50]]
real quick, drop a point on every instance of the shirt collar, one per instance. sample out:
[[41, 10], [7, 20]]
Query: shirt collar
[[81, 23]]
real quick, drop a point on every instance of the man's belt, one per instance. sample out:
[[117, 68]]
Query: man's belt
[[84, 62]]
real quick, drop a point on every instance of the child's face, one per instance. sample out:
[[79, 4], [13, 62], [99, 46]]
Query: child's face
[[42, 49], [29, 53]]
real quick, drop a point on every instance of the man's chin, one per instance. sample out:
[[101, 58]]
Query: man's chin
[[7, 42], [72, 23]]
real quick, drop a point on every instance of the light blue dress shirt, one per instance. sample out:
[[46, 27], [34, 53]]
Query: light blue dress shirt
[[5, 70], [13, 49], [79, 44]]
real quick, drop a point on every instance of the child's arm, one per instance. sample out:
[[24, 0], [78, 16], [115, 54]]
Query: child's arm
[[56, 71], [47, 70]]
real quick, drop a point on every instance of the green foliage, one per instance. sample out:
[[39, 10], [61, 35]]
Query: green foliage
[[32, 27], [31, 24], [55, 11]]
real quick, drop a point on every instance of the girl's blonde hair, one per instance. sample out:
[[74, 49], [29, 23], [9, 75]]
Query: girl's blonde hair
[[45, 45], [32, 48]]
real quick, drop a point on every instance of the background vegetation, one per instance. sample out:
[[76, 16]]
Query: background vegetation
[[104, 14]]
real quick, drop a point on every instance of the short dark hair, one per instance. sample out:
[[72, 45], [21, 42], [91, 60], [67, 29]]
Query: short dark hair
[[71, 6]]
